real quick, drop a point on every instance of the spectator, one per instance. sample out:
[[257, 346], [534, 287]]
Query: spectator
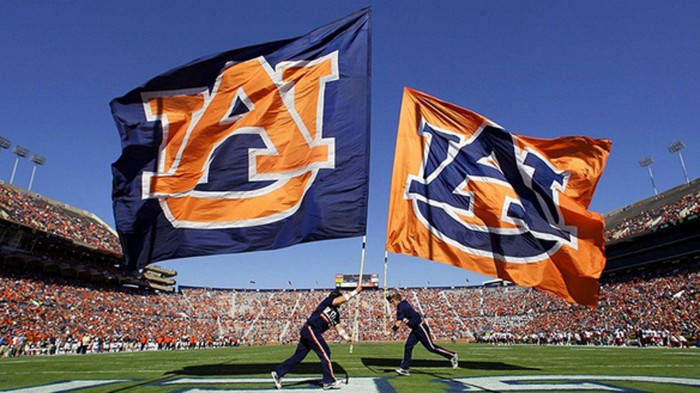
[[54, 315], [52, 217], [647, 220]]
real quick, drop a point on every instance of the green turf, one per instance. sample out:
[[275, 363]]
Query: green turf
[[145, 371]]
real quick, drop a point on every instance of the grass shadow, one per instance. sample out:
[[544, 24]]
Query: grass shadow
[[223, 369], [429, 363]]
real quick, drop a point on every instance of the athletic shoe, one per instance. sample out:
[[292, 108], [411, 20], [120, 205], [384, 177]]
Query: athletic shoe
[[331, 385], [454, 360], [276, 379], [401, 371]]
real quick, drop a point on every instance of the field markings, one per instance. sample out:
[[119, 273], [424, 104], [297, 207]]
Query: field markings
[[587, 382], [626, 366], [356, 385], [121, 371], [194, 381], [616, 366], [682, 353], [65, 386], [494, 349]]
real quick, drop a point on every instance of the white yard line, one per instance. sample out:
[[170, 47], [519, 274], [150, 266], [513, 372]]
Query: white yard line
[[65, 386], [585, 382]]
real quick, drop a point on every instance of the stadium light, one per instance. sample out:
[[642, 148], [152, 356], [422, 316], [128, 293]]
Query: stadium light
[[676, 148], [37, 160], [20, 152], [4, 143], [646, 162]]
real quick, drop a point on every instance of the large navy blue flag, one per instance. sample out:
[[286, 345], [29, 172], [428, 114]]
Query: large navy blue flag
[[252, 149]]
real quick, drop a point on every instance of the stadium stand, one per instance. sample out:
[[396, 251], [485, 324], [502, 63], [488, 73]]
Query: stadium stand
[[674, 206], [34, 211], [63, 292], [59, 239], [655, 307]]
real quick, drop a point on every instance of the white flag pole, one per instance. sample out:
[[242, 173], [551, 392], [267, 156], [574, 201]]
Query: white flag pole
[[387, 307], [357, 302], [386, 270]]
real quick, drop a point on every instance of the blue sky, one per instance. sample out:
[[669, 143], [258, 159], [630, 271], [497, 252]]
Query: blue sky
[[624, 70]]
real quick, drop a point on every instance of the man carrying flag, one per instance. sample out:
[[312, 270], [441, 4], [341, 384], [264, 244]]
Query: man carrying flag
[[468, 193], [420, 332], [325, 315]]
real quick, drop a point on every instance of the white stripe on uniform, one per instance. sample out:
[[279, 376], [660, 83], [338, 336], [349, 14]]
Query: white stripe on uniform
[[325, 356]]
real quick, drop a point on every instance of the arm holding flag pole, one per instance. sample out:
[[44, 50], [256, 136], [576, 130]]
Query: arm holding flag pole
[[357, 302], [346, 297]]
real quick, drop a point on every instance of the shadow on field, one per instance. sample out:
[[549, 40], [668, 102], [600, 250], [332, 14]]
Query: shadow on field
[[394, 363], [251, 369], [223, 369]]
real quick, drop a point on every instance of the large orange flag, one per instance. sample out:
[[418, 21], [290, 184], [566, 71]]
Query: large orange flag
[[467, 193]]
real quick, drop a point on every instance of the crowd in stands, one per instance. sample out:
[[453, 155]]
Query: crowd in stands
[[39, 213], [647, 220], [54, 316], [52, 217]]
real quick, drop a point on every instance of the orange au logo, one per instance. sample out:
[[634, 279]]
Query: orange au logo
[[283, 106], [254, 148]]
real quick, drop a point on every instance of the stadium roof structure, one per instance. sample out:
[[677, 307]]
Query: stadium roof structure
[[665, 231], [617, 216], [54, 238], [60, 205]]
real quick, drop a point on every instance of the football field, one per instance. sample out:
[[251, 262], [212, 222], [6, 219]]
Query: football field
[[369, 369]]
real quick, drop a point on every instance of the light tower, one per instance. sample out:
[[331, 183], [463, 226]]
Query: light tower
[[647, 163], [676, 148], [4, 143], [20, 152], [37, 160]]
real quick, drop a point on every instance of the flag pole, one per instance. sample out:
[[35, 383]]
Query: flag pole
[[386, 269], [387, 307], [357, 302]]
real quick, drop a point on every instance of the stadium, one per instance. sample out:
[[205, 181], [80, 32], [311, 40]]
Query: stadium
[[196, 147], [66, 305]]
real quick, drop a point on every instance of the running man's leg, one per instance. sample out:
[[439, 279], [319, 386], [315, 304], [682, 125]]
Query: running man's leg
[[318, 344], [411, 342], [423, 334], [299, 355]]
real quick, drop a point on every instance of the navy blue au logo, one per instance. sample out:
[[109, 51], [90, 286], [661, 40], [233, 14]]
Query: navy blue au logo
[[519, 186]]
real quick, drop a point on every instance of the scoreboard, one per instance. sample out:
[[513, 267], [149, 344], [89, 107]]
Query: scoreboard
[[351, 280]]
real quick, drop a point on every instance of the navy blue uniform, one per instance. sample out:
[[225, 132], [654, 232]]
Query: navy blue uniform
[[311, 338], [420, 331]]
